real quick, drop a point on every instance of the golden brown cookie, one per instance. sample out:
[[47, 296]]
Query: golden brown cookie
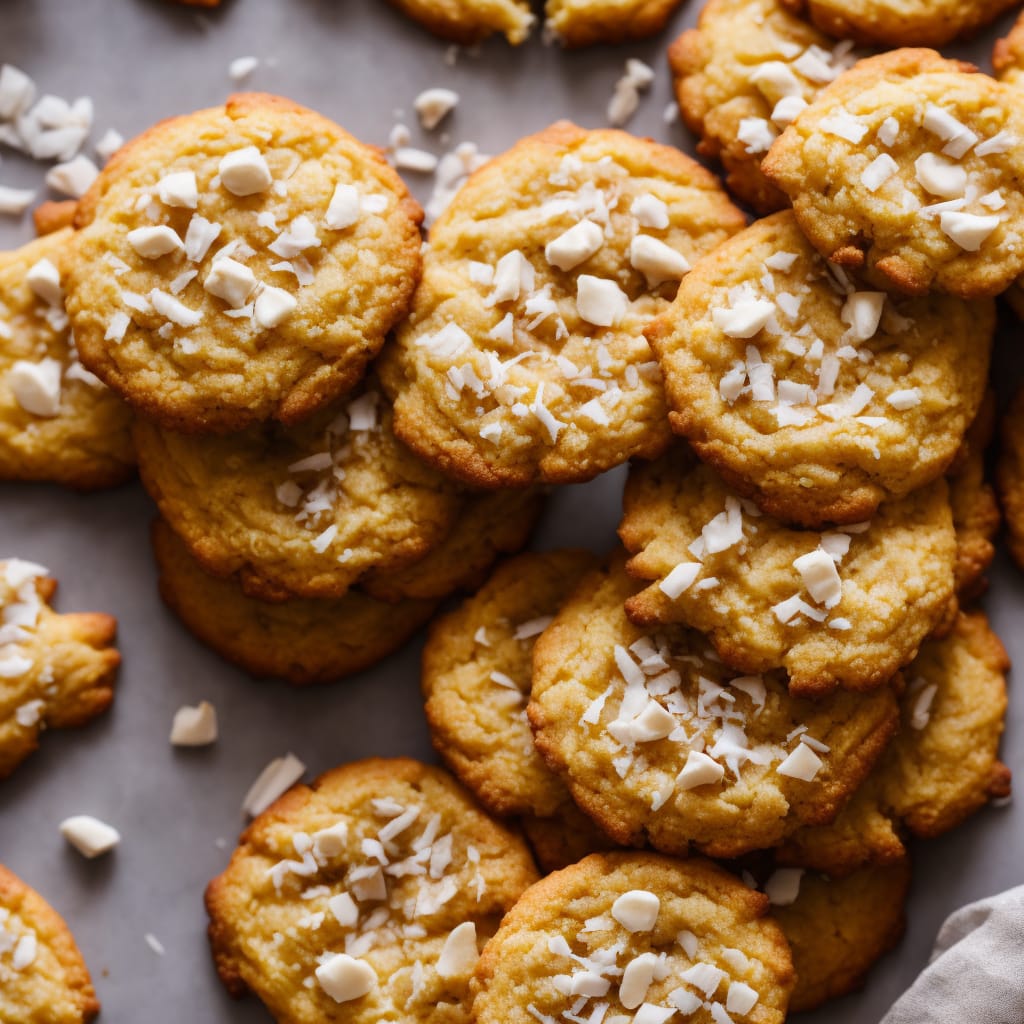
[[57, 421], [240, 263], [302, 641], [900, 22], [365, 897], [972, 498], [1010, 475], [941, 768], [842, 608], [477, 670], [817, 398], [301, 511], [471, 21], [660, 743], [839, 928], [741, 76], [523, 359], [57, 671], [586, 22], [643, 934], [906, 167], [52, 215], [488, 525], [42, 974]]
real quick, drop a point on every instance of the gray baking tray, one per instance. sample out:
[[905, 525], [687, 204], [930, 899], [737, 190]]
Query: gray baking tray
[[179, 811]]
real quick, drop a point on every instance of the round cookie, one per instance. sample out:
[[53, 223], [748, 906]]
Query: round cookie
[[660, 743], [489, 525], [57, 670], [1010, 475], [906, 167], [972, 499], [741, 76], [637, 932], [1008, 55], [586, 22], [301, 511], [240, 263], [844, 608], [839, 928], [513, 370], [301, 641], [471, 21], [57, 421], [816, 398], [943, 765], [365, 897], [477, 670], [900, 22], [42, 974]]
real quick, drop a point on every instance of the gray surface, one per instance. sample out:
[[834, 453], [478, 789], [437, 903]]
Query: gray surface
[[356, 61]]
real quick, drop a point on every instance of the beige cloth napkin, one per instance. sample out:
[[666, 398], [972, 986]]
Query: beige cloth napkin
[[976, 974]]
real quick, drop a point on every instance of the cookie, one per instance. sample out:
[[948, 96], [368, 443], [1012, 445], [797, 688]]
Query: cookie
[[741, 76], [523, 360], [661, 744], [58, 670], [841, 608], [488, 525], [301, 511], [365, 897], [586, 22], [905, 168], [239, 264], [636, 932], [42, 974], [943, 765], [57, 421], [471, 21], [900, 22], [839, 928], [812, 396], [302, 641], [477, 668], [1010, 475], [972, 499], [1008, 55]]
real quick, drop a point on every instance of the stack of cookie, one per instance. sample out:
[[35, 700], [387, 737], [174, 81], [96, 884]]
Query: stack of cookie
[[234, 295]]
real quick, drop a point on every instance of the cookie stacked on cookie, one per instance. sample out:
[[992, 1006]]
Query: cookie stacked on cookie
[[233, 274]]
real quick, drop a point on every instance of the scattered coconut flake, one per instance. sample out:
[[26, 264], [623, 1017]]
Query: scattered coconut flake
[[194, 726], [242, 67], [88, 835], [275, 779], [433, 105]]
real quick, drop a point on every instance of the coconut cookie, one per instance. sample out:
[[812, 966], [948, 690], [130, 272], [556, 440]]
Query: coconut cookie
[[839, 928], [42, 974], [489, 525], [477, 669], [586, 22], [900, 22], [660, 743], [471, 21], [972, 498], [809, 394], [906, 167], [365, 897], [741, 76], [840, 608], [524, 358], [301, 511], [57, 421], [943, 765], [57, 671], [302, 641], [645, 936], [239, 264], [1010, 475]]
